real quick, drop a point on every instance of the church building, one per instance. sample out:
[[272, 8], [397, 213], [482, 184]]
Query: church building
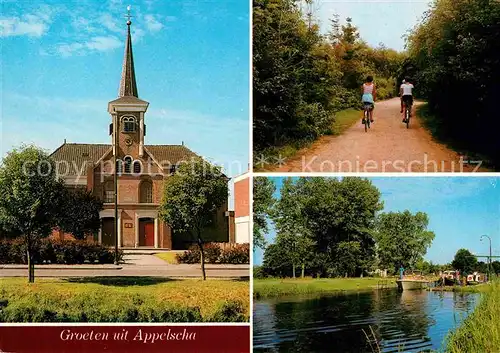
[[142, 170]]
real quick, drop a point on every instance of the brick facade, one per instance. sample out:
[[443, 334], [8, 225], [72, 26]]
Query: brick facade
[[139, 194], [242, 208]]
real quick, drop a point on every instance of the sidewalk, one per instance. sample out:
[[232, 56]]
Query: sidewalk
[[134, 264], [164, 270], [63, 267]]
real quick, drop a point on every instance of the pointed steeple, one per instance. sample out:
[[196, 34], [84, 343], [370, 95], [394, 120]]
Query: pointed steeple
[[128, 85]]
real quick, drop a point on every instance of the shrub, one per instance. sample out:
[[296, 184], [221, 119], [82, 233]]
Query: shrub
[[229, 311], [57, 252], [190, 256], [258, 272], [212, 253], [236, 254]]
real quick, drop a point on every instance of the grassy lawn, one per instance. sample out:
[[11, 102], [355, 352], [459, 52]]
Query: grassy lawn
[[168, 257], [123, 299], [265, 288], [480, 331]]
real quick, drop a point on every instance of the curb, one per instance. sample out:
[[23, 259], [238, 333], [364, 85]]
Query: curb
[[241, 278], [61, 267]]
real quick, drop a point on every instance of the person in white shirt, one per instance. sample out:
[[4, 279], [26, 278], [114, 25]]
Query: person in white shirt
[[406, 93]]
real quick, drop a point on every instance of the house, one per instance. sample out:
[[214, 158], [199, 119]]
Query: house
[[242, 208], [142, 170]]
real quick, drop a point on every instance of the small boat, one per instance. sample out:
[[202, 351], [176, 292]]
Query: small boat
[[476, 278], [450, 278], [412, 280]]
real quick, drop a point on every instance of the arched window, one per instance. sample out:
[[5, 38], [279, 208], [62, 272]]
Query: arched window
[[127, 161], [109, 192], [128, 123], [119, 166], [146, 192], [137, 167]]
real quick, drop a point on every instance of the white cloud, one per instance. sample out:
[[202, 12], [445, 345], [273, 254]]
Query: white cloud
[[29, 25], [69, 49], [83, 24], [103, 43], [152, 23], [110, 23], [137, 34]]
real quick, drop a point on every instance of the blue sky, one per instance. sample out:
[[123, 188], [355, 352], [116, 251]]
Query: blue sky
[[61, 64], [378, 21], [460, 210]]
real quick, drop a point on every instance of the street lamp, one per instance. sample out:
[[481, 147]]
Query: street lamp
[[489, 258]]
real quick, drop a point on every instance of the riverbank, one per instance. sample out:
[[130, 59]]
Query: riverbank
[[123, 299], [273, 287], [479, 288], [480, 331]]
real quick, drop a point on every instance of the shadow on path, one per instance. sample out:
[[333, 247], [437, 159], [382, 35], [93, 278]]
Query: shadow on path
[[121, 281]]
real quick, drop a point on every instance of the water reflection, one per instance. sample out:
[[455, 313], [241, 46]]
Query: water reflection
[[409, 321]]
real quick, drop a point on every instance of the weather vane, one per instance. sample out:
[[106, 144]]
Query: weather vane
[[128, 16]]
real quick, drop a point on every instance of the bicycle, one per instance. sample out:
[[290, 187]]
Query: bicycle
[[368, 107], [408, 107]]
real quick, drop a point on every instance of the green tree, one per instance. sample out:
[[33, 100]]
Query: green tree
[[191, 198], [297, 243], [276, 261], [294, 78], [30, 198], [328, 211], [454, 53], [301, 77], [427, 266], [402, 239], [464, 261], [80, 213], [347, 256], [495, 267], [263, 201]]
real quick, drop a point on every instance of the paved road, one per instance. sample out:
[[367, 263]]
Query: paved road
[[387, 147], [135, 265]]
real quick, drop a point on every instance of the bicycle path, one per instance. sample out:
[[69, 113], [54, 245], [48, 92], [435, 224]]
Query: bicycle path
[[387, 147]]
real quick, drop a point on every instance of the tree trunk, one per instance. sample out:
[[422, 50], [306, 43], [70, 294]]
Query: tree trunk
[[202, 258], [293, 270], [303, 269], [31, 265]]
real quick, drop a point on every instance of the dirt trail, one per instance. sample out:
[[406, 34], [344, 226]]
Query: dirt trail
[[387, 147]]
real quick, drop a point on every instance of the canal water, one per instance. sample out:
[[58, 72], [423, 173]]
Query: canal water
[[409, 321]]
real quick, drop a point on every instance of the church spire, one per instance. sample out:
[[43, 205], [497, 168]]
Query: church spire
[[128, 85]]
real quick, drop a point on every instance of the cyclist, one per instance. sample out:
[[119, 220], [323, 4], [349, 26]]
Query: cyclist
[[406, 92], [400, 95], [369, 92]]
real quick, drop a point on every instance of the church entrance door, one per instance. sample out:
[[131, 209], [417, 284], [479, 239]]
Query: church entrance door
[[146, 232]]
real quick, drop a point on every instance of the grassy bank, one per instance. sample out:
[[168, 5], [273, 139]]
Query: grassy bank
[[266, 288], [480, 288], [344, 119], [480, 331], [123, 299]]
